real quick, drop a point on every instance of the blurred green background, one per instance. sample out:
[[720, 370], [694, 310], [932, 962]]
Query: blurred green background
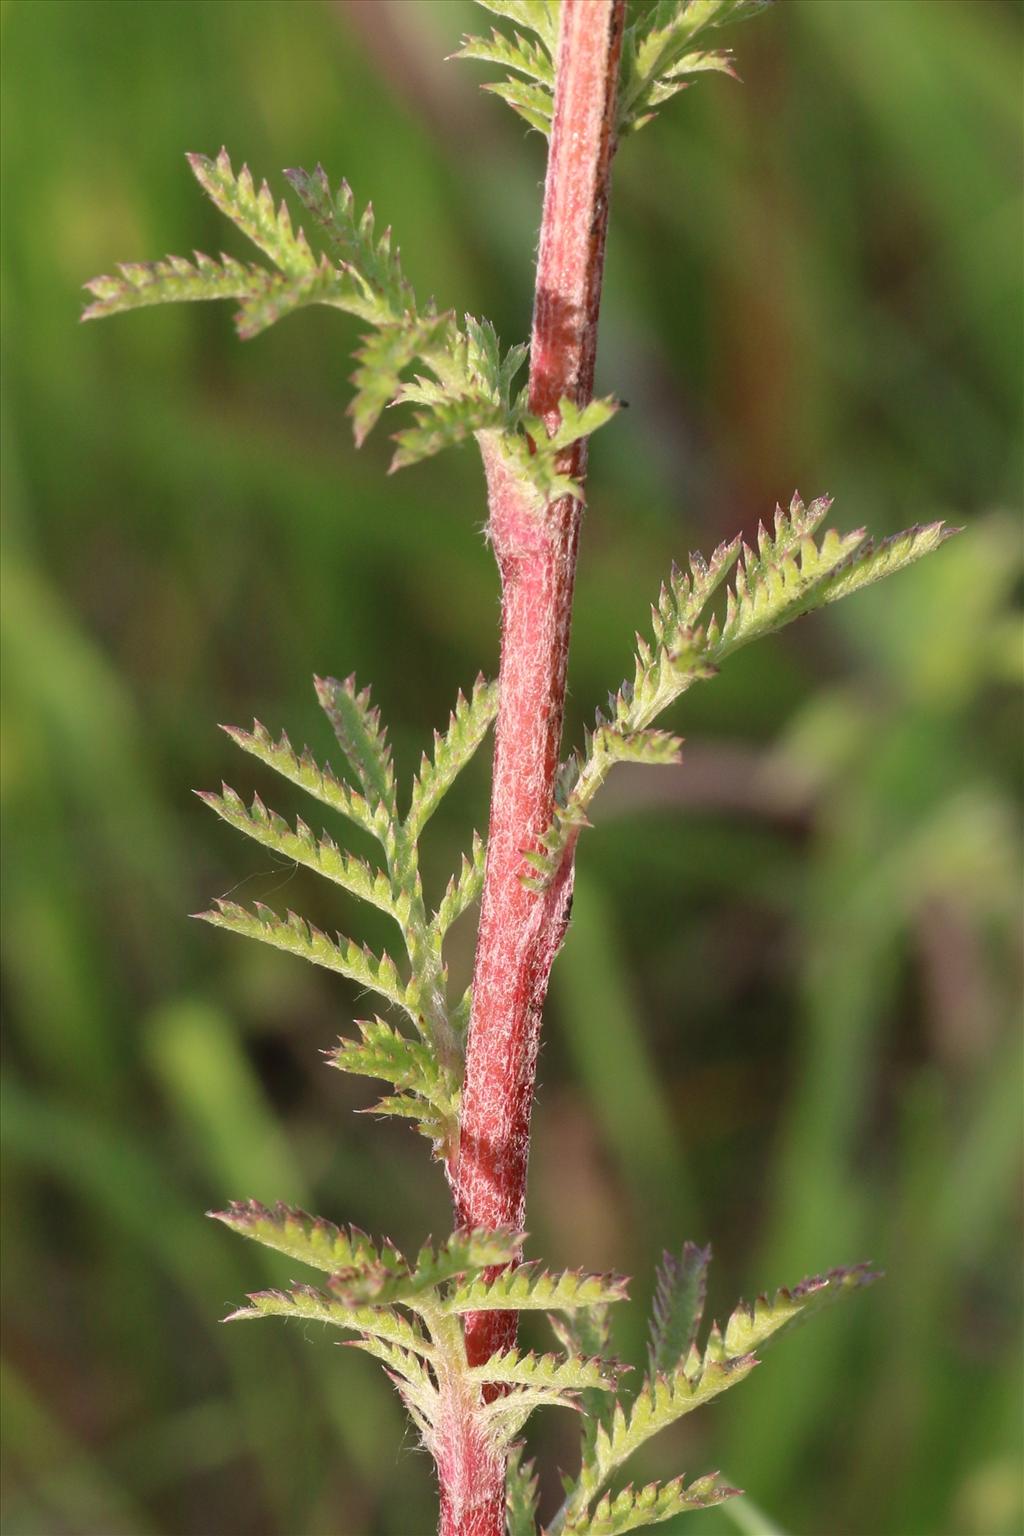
[[785, 1020]]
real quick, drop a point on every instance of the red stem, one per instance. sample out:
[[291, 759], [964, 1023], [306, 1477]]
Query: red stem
[[521, 930]]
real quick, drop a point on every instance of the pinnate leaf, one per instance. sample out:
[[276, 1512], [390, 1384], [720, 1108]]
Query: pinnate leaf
[[520, 1495], [309, 1239], [384, 1053], [462, 890], [173, 281], [372, 259], [661, 1401], [269, 227], [467, 728], [679, 1296], [300, 845], [528, 1288], [659, 54], [295, 935], [528, 52], [557, 1373], [362, 738], [635, 1507], [464, 1253], [751, 1325], [307, 1304], [320, 782], [789, 573]]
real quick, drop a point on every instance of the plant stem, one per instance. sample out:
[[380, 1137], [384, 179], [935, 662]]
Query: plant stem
[[521, 930]]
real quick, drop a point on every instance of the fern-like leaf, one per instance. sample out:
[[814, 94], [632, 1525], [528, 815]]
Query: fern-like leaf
[[428, 1091], [362, 738], [384, 1053], [467, 728], [301, 846], [307, 1304], [587, 1332], [444, 423], [682, 1377], [173, 281], [320, 782], [464, 1253], [636, 1507], [661, 1401], [521, 1487], [381, 359], [873, 561], [530, 1289], [253, 211], [372, 259], [540, 16], [462, 890], [789, 574], [679, 1297], [295, 935], [406, 1364], [751, 1325], [309, 1239], [528, 52], [557, 1373], [659, 56]]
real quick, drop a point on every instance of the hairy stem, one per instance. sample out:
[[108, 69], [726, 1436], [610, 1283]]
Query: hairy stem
[[520, 930]]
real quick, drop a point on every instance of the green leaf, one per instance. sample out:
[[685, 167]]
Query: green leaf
[[309, 1239], [530, 89], [682, 1378], [384, 1053], [266, 296], [413, 1381], [679, 1297], [321, 783], [310, 1305], [301, 846], [372, 259], [539, 16], [382, 357], [445, 424], [527, 1288], [788, 575], [467, 727], [555, 1372], [575, 422], [778, 582], [428, 1091], [520, 1496], [526, 56], [658, 52], [587, 1331], [254, 212], [578, 784], [531, 100], [173, 281], [440, 1125], [873, 561], [462, 890], [750, 1326], [406, 1364], [662, 1400], [464, 1253], [636, 1507], [299, 937], [361, 737]]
